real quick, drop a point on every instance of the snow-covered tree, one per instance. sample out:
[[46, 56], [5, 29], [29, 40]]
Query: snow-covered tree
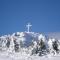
[[42, 45], [35, 48], [55, 46], [16, 46]]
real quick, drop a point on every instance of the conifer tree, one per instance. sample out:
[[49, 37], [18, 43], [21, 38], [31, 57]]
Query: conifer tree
[[55, 46]]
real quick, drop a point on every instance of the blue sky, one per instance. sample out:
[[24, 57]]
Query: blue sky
[[44, 15]]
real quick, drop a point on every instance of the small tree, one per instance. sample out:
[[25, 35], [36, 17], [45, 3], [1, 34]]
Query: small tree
[[16, 46], [8, 43], [42, 47], [55, 46], [35, 48]]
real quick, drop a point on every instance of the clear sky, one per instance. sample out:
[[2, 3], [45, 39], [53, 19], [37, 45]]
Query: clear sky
[[44, 15]]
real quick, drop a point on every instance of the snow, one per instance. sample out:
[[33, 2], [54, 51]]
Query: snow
[[41, 37], [24, 56], [25, 53]]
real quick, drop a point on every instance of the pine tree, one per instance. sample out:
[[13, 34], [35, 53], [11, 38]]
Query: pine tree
[[42, 48], [8, 43], [16, 46], [55, 46]]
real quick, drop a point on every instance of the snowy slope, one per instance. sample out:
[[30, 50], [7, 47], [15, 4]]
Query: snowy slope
[[19, 56], [55, 35], [28, 42]]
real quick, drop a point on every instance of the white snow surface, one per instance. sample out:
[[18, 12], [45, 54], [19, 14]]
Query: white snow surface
[[24, 56]]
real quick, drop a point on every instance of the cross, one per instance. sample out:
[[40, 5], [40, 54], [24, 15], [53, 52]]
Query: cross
[[28, 27]]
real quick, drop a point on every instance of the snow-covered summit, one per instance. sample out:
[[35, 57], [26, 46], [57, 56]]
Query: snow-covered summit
[[26, 37], [29, 44]]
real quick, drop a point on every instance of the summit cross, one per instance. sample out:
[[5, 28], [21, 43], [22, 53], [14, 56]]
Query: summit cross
[[28, 27]]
